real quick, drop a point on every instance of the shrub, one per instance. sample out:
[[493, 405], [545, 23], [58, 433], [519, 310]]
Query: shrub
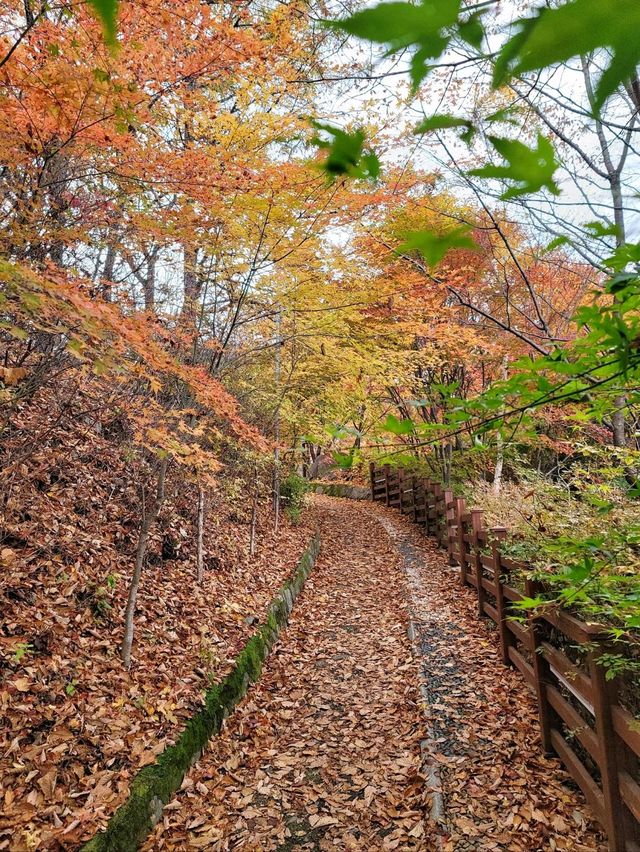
[[292, 494]]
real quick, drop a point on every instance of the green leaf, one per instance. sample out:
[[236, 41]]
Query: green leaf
[[433, 247], [472, 30], [101, 76], [556, 243], [107, 12], [442, 122], [626, 254], [398, 427], [528, 603], [346, 153], [620, 282], [579, 573], [531, 168], [633, 621], [502, 115], [76, 347], [343, 460], [599, 229], [572, 29], [401, 25]]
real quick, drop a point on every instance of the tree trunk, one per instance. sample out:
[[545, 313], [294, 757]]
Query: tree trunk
[[200, 553], [276, 452], [191, 280], [614, 178], [107, 272], [316, 459], [254, 515], [497, 475], [148, 520], [149, 283], [618, 422]]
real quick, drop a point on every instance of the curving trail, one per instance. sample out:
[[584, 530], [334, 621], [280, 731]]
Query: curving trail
[[325, 751]]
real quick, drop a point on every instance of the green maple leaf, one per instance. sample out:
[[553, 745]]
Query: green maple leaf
[[443, 121], [424, 26], [346, 154], [574, 29], [107, 12], [531, 168], [433, 247]]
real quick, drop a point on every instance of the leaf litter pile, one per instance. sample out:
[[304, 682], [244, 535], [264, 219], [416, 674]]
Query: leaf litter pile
[[324, 753], [74, 725]]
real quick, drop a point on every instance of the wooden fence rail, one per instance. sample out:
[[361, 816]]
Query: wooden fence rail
[[583, 719]]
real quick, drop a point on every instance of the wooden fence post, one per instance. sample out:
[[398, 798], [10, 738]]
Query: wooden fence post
[[476, 525], [438, 520], [401, 489], [449, 521], [413, 501], [541, 673], [428, 485], [604, 696], [372, 478], [461, 508], [386, 485], [506, 636]]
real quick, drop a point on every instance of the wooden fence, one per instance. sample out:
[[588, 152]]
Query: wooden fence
[[583, 717]]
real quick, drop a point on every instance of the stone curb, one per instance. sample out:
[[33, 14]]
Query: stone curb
[[336, 489], [153, 787]]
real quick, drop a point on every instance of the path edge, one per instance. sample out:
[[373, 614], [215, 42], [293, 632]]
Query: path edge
[[154, 785]]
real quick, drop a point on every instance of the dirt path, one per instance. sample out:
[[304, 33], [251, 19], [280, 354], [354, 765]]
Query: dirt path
[[325, 751]]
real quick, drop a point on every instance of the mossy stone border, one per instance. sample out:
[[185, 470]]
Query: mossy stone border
[[340, 489], [154, 785]]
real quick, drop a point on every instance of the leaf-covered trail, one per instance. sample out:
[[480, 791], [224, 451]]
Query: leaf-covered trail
[[324, 753], [500, 791]]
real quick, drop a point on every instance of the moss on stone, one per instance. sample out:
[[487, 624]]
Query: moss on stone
[[154, 785]]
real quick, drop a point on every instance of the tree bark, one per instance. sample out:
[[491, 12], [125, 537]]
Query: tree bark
[[497, 474], [618, 422], [254, 515], [200, 549], [148, 520], [149, 283], [276, 451], [107, 272]]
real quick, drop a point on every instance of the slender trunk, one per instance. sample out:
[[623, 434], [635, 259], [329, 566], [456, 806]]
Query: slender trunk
[[614, 178], [276, 452], [57, 177], [191, 280], [107, 272], [28, 13], [254, 515], [149, 284], [617, 422], [316, 458], [148, 520], [497, 475], [446, 458], [200, 552]]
